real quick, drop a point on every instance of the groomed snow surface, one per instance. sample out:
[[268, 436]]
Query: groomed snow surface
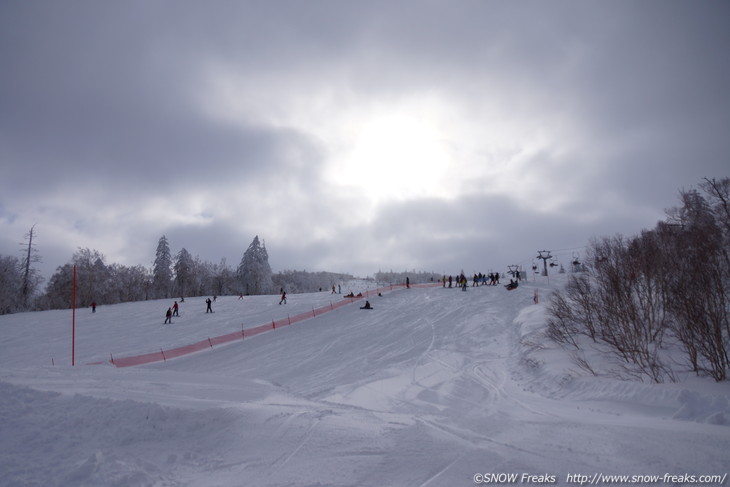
[[433, 386]]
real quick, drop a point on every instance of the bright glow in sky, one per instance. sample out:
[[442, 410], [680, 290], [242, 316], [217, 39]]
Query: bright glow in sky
[[396, 157]]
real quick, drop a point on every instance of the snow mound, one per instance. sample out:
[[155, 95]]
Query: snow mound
[[703, 408]]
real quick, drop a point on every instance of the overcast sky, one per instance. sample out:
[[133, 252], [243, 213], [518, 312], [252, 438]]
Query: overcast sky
[[354, 136]]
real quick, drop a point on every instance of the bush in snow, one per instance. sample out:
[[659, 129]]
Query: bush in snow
[[667, 286]]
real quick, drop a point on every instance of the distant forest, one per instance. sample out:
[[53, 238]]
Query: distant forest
[[172, 275]]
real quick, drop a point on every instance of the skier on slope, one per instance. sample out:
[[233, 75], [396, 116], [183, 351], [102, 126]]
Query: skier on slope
[[283, 297], [208, 309]]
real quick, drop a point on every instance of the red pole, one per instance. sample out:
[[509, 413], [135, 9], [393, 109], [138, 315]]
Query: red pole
[[73, 321]]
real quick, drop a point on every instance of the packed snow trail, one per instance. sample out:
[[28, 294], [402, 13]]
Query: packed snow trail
[[431, 387]]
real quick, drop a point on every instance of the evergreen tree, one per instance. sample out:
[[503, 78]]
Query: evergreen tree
[[185, 270], [254, 271], [162, 270]]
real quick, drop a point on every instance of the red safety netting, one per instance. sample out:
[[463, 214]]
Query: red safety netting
[[164, 355]]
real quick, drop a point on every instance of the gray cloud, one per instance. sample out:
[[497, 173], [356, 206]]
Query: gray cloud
[[214, 123]]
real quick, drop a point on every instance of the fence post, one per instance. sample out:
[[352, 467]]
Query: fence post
[[163, 355], [210, 343]]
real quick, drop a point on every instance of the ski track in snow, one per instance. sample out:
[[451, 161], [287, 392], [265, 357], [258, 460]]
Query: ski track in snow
[[427, 389]]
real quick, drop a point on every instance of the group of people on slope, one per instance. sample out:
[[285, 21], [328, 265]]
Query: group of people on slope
[[491, 279], [174, 310], [459, 281]]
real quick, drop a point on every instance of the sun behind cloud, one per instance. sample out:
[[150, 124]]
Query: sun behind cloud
[[395, 156]]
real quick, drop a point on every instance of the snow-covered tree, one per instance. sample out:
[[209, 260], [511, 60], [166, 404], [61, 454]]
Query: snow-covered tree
[[254, 271], [92, 276], [162, 270], [93, 281], [185, 270], [127, 284], [60, 288], [223, 279]]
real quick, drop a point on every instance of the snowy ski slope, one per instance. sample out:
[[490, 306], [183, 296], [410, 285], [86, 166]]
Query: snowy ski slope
[[434, 387]]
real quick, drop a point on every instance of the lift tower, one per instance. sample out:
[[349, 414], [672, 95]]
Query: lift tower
[[544, 255]]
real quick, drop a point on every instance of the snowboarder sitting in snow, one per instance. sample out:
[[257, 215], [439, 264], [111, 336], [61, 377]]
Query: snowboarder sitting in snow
[[168, 316], [367, 305], [512, 285], [351, 295]]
